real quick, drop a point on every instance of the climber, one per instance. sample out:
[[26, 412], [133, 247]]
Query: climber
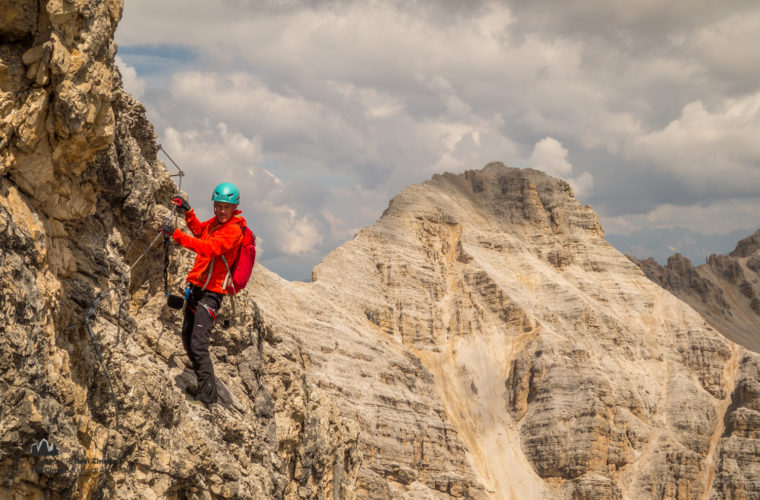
[[217, 238]]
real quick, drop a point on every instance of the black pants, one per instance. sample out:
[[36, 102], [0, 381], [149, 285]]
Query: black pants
[[200, 313]]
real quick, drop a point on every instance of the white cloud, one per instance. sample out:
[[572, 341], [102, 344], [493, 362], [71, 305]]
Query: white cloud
[[377, 104], [213, 155], [243, 97], [299, 235], [358, 99], [709, 218], [132, 83], [348, 126], [709, 149], [551, 157], [583, 185]]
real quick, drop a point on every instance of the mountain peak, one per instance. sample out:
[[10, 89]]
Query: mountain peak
[[510, 197], [747, 246]]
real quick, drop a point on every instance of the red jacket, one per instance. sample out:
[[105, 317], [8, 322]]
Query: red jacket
[[210, 241]]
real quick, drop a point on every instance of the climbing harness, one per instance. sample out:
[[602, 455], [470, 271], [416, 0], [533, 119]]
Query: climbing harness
[[210, 310], [91, 313]]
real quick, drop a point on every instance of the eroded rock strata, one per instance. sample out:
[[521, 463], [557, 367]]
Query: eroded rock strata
[[81, 190], [725, 290], [480, 340]]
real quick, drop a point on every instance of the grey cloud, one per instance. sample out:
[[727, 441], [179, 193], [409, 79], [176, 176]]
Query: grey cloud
[[361, 99], [301, 195], [625, 21], [635, 189]]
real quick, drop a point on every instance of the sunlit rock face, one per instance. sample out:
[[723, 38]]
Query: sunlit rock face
[[726, 290], [565, 371], [480, 340]]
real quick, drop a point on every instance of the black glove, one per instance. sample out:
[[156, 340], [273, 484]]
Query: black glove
[[181, 203], [167, 226]]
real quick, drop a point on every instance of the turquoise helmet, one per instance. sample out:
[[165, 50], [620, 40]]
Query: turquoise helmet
[[226, 192]]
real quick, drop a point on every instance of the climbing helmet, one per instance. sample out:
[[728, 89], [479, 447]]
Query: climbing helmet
[[226, 192]]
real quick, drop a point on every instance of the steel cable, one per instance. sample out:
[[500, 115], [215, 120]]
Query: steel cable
[[91, 311]]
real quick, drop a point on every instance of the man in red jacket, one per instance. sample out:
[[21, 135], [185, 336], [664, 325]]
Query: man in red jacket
[[219, 236]]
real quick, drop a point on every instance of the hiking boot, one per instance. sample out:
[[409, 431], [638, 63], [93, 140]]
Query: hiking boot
[[197, 403], [211, 401], [192, 391], [187, 382]]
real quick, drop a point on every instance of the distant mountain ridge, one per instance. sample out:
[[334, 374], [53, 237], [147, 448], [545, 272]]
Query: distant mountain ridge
[[660, 243], [725, 289]]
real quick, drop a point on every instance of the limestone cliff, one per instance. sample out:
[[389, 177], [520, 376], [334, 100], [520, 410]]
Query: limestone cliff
[[564, 370], [480, 340], [81, 190], [725, 291]]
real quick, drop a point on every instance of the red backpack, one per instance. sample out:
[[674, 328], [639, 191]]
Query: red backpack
[[240, 272]]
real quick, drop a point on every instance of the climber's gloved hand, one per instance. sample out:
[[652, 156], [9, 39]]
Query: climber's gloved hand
[[181, 203], [167, 227]]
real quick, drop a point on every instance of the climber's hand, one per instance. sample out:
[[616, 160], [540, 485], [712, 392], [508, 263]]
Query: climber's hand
[[181, 203], [167, 227]]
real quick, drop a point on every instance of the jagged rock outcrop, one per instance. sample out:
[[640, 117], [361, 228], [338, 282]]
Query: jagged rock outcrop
[[81, 191], [726, 291], [480, 340]]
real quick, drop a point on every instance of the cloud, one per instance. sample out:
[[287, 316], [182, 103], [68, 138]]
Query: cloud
[[708, 218], [302, 235], [711, 150], [730, 48], [378, 90], [277, 211], [583, 185], [132, 83], [551, 157], [330, 106], [648, 19], [366, 134]]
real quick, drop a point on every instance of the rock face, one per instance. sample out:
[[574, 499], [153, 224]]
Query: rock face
[[81, 191], [564, 370], [725, 291], [480, 340]]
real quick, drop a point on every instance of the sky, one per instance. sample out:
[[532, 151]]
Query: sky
[[322, 111]]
